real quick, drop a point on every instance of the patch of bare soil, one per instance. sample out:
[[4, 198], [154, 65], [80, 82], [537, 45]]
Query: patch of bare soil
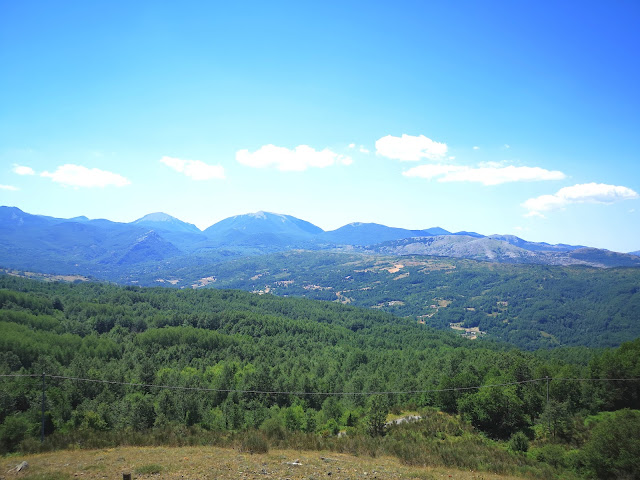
[[45, 276], [203, 282]]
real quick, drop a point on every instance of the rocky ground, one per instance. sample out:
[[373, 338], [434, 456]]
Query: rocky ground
[[208, 463]]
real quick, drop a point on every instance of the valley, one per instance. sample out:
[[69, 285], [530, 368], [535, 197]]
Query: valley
[[532, 295], [260, 340], [319, 240], [531, 306]]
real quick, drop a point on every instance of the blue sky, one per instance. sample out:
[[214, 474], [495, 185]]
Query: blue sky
[[497, 117]]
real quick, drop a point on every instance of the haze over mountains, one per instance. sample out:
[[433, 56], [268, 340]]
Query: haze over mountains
[[116, 251]]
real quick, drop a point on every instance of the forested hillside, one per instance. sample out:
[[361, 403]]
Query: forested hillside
[[281, 365], [531, 306]]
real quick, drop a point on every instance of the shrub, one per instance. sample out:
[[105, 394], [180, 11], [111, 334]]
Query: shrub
[[273, 428], [14, 429], [519, 442], [553, 454], [253, 442], [151, 469], [330, 428]]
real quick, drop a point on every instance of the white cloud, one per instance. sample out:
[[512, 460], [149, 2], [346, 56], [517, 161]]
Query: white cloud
[[506, 145], [476, 147], [487, 174], [361, 148], [430, 171], [22, 170], [284, 159], [410, 148], [79, 176], [492, 164], [494, 175], [581, 193], [9, 187], [194, 169]]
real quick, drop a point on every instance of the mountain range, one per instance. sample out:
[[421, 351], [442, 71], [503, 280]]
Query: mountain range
[[130, 252]]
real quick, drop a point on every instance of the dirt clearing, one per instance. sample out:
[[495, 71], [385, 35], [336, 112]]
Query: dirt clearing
[[202, 463]]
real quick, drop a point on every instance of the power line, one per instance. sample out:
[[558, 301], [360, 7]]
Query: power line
[[596, 379], [302, 393], [275, 392]]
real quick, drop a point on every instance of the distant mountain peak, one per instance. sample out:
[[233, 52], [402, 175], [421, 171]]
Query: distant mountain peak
[[251, 227], [157, 217], [37, 242], [165, 221], [535, 246], [262, 215], [439, 231], [361, 234], [11, 209]]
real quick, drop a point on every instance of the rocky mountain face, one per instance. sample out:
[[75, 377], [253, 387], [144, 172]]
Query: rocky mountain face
[[514, 251]]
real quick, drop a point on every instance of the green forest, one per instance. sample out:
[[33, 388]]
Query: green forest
[[262, 370], [530, 306]]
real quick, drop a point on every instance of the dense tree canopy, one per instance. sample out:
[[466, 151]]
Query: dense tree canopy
[[236, 346], [530, 306]]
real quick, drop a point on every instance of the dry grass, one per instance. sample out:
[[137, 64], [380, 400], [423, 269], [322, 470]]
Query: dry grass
[[191, 463], [45, 276]]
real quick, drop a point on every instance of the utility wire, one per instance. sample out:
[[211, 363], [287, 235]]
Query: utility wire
[[596, 379], [275, 392]]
